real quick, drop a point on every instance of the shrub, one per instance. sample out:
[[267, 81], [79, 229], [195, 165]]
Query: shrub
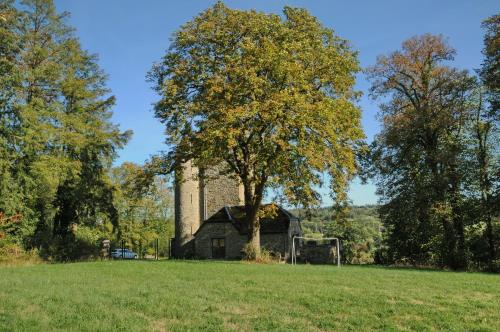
[[265, 257], [12, 254]]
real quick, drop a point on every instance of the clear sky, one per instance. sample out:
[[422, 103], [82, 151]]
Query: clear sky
[[129, 35]]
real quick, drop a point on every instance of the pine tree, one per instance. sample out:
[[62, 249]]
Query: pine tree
[[60, 138]]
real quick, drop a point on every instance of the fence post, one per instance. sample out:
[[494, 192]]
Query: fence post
[[123, 248]]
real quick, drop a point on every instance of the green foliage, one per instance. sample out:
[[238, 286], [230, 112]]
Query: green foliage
[[490, 69], [359, 230], [487, 135], [268, 97], [144, 204], [264, 257], [56, 140], [434, 159], [12, 254]]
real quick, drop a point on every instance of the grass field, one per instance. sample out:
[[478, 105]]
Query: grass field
[[177, 295]]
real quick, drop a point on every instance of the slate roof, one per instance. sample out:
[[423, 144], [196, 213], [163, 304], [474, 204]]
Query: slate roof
[[235, 215]]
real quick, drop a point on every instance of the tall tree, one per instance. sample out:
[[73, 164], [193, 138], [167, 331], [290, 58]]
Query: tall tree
[[55, 114], [12, 190], [484, 172], [419, 153], [487, 134], [145, 206], [270, 98]]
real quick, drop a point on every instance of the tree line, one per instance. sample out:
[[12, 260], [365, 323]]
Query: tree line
[[271, 98], [59, 192]]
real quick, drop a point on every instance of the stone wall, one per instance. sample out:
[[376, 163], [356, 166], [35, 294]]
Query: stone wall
[[219, 191], [196, 200], [234, 241], [277, 243], [318, 253]]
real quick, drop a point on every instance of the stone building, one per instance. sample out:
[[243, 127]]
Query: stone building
[[210, 223], [224, 234]]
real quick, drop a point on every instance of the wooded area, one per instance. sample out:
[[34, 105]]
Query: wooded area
[[59, 194], [271, 97], [436, 159]]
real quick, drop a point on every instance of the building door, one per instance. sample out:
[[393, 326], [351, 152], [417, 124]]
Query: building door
[[218, 248]]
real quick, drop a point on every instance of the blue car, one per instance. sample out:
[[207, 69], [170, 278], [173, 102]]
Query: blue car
[[124, 253]]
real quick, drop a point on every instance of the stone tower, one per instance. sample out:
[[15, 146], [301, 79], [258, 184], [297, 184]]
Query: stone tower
[[196, 199]]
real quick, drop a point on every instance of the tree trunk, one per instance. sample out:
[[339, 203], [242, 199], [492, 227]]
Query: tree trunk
[[491, 243], [253, 199], [487, 212], [460, 258], [482, 133], [254, 238]]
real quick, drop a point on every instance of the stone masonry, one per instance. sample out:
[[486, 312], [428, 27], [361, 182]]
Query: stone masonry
[[197, 197], [228, 225]]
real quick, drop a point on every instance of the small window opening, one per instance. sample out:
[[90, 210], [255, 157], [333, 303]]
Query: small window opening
[[218, 248]]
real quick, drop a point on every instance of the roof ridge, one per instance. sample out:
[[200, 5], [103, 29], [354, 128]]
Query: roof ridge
[[226, 208], [285, 211]]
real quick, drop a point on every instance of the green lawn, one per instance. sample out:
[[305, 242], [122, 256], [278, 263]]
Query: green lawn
[[171, 296]]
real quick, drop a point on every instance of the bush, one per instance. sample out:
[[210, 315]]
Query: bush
[[83, 243], [12, 254], [265, 257]]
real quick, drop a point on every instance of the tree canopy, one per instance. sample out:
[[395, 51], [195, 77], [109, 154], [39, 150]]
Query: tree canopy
[[431, 155], [56, 139], [490, 69], [144, 204]]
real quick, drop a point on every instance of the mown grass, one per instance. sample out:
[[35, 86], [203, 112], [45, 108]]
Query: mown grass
[[185, 295]]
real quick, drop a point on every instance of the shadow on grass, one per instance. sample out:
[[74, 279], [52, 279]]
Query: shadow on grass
[[417, 269]]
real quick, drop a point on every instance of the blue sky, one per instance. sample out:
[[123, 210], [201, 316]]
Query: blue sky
[[130, 35]]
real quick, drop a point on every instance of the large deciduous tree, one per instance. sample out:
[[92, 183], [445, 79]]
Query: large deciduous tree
[[419, 154], [269, 97], [144, 204], [486, 132]]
